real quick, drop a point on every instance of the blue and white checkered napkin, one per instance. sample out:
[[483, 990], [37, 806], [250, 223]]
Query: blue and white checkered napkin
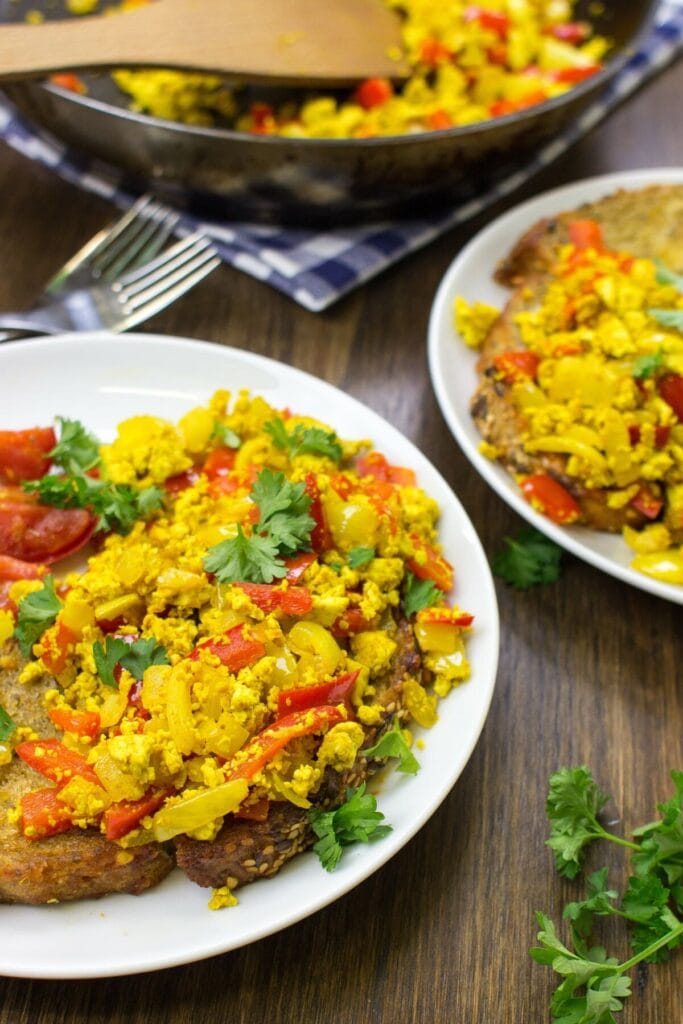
[[313, 267]]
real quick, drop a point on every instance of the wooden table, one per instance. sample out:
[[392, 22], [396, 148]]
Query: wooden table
[[589, 673]]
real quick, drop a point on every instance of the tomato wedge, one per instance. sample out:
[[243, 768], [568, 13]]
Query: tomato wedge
[[24, 454], [16, 569], [267, 597], [32, 532], [56, 762], [550, 498], [43, 814], [270, 741], [233, 649], [337, 691]]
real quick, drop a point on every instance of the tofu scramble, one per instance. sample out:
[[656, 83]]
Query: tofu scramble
[[470, 63], [228, 651], [599, 383]]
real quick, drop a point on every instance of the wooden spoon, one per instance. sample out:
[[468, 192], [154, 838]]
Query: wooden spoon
[[294, 41]]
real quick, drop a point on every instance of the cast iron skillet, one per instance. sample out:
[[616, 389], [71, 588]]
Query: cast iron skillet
[[307, 181]]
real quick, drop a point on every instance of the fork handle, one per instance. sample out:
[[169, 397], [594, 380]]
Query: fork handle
[[29, 323]]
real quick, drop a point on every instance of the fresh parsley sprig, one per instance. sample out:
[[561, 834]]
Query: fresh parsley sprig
[[304, 440], [283, 528], [528, 559], [594, 986], [647, 366], [418, 594], [36, 613], [393, 744], [76, 447], [116, 506], [357, 820]]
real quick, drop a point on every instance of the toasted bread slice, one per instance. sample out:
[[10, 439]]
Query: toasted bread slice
[[646, 223], [74, 865]]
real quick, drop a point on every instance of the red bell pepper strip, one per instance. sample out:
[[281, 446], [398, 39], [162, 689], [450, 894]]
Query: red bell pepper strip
[[271, 740], [219, 462], [517, 364], [571, 76], [83, 723], [671, 389], [352, 621], [337, 691], [431, 566], [181, 481], [24, 454], [377, 465], [647, 503], [298, 564], [433, 52], [373, 92], [267, 597], [122, 817], [570, 31], [43, 814], [444, 617], [56, 762], [491, 20], [321, 538], [233, 649], [550, 498], [58, 642]]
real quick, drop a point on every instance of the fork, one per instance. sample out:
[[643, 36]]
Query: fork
[[133, 239], [127, 301]]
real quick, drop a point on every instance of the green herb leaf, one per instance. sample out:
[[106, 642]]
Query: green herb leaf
[[7, 725], [117, 506], [225, 437], [661, 849], [528, 560], [255, 559], [599, 902], [283, 508], [668, 317], [76, 446], [36, 612], [357, 820], [304, 440], [573, 803], [666, 276], [418, 594], [358, 557], [135, 657], [393, 744], [647, 366]]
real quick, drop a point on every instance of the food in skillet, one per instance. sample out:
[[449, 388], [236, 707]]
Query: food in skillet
[[581, 376], [264, 614], [470, 63]]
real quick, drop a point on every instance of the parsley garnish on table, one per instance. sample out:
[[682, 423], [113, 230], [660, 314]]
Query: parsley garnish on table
[[283, 528], [36, 612], [304, 440], [116, 506], [135, 657], [528, 559], [357, 820], [594, 985]]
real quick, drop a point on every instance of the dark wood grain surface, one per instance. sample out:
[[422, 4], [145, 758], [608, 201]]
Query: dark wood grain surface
[[590, 672]]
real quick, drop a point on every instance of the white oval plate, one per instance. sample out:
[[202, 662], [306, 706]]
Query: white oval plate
[[101, 380], [452, 364]]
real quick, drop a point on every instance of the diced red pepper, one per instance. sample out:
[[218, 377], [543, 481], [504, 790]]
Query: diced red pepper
[[24, 453], [439, 120], [647, 503], [570, 76], [68, 80], [181, 481], [433, 52], [351, 622], [500, 108], [58, 642], [550, 498], [374, 92], [43, 814], [662, 434], [377, 465], [586, 234], [671, 389], [298, 564], [83, 723], [219, 462], [122, 817], [431, 565], [444, 617], [337, 691], [267, 597], [494, 21], [271, 740], [570, 31], [234, 649], [56, 762], [321, 538], [517, 364]]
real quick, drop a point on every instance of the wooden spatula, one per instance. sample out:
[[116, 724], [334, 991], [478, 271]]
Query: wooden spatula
[[296, 41]]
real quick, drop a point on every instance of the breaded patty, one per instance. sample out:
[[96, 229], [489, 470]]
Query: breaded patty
[[76, 864]]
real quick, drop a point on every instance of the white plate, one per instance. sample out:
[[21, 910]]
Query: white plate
[[453, 366], [102, 380]]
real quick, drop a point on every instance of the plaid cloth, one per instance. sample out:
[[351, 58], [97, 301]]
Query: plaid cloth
[[316, 267]]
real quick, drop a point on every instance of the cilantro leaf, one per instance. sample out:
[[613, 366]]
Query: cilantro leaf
[[76, 446], [528, 560], [356, 820], [225, 437], [393, 744], [283, 511], [647, 366], [572, 805], [135, 657], [304, 440], [666, 276], [668, 317], [419, 594], [240, 558], [7, 725], [37, 611], [358, 557]]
